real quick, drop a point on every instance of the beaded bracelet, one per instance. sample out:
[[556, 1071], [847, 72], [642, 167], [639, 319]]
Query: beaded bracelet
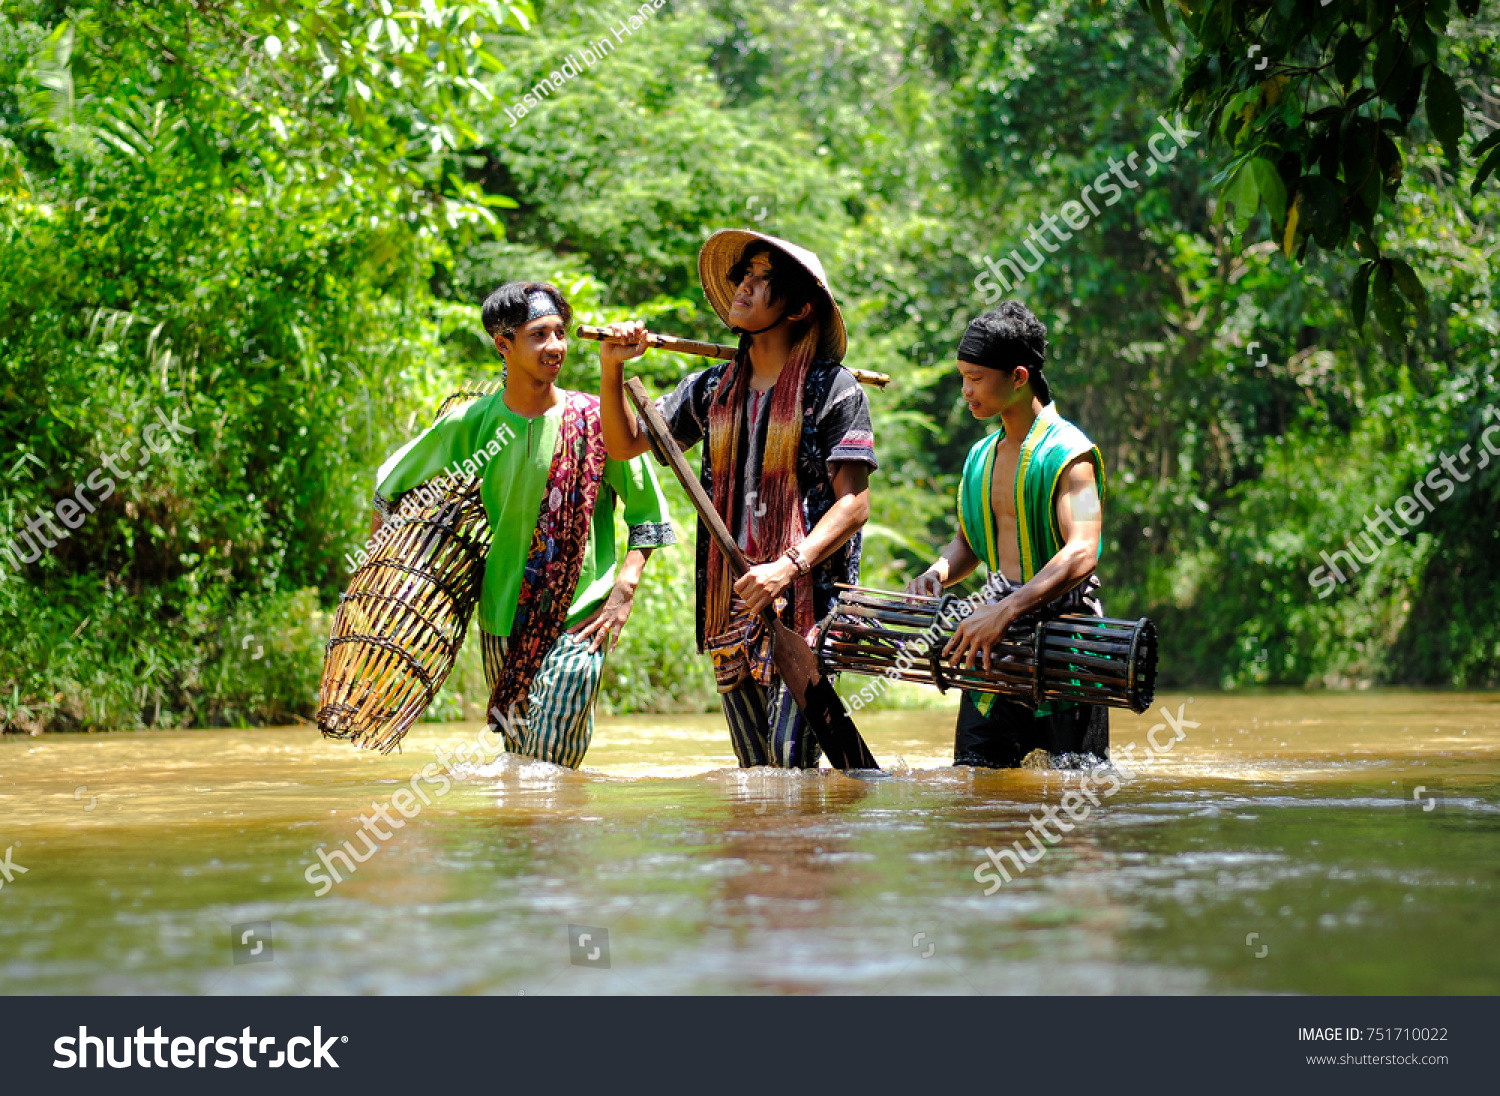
[[797, 561]]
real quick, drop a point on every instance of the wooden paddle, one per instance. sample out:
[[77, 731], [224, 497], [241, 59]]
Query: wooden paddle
[[795, 661], [714, 350]]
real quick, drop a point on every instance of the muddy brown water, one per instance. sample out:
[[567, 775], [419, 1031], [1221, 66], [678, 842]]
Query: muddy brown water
[[1303, 842]]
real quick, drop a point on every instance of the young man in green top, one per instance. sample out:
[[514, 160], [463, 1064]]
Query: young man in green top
[[553, 600], [1029, 509]]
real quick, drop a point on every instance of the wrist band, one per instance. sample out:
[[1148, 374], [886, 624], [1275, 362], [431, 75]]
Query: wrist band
[[797, 561]]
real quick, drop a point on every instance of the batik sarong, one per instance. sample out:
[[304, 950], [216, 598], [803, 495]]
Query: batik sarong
[[557, 547]]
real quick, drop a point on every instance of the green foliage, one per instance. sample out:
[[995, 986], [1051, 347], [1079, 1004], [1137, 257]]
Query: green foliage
[[205, 221], [656, 667], [1312, 104], [286, 244]]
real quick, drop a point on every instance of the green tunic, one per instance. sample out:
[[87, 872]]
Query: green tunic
[[1049, 446], [513, 483]]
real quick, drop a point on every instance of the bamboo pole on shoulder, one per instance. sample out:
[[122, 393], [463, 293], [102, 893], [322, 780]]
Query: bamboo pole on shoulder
[[713, 350]]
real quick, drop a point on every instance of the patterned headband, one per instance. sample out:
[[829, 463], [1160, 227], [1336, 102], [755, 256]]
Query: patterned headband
[[540, 303]]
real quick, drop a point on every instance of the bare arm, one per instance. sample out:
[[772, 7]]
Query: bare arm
[[956, 563], [623, 436], [1080, 519], [604, 626], [851, 509], [634, 567]]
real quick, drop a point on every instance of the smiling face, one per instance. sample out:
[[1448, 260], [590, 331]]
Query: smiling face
[[990, 391], [537, 350]]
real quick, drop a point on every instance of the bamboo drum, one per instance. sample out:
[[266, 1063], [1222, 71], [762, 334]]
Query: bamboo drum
[[1070, 656]]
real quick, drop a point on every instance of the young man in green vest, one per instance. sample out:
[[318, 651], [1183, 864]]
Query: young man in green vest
[[1029, 509]]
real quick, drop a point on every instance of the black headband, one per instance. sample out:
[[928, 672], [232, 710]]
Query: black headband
[[995, 351]]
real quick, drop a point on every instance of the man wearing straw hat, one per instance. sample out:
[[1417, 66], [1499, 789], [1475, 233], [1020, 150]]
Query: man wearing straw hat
[[1029, 509], [787, 463], [553, 601]]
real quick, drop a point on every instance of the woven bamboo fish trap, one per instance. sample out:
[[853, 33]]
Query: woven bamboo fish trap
[[1067, 656], [401, 623]]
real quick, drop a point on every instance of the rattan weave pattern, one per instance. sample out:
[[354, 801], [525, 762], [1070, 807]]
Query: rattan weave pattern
[[1064, 657], [401, 623]]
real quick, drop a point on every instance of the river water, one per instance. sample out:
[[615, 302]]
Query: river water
[[1305, 842]]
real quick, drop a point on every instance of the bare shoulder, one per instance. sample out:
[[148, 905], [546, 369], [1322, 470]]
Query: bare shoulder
[[1079, 472], [1077, 496]]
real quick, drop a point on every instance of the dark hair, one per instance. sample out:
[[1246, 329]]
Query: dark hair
[[1010, 335], [789, 280], [507, 308]]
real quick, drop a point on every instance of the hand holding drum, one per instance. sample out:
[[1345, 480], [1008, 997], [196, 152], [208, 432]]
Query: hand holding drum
[[1068, 656]]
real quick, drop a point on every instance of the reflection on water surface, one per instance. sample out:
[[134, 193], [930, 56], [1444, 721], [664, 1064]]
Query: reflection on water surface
[[1283, 845]]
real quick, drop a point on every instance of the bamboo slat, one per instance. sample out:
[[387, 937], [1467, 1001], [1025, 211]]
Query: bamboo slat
[[401, 623], [1057, 656]]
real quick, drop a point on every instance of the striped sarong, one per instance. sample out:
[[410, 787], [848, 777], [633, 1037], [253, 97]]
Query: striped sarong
[[767, 729], [556, 720]]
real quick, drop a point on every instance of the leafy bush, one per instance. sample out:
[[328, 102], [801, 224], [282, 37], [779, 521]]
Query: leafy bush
[[274, 221]]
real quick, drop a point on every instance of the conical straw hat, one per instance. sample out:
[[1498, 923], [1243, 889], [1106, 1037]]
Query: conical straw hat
[[724, 248]]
